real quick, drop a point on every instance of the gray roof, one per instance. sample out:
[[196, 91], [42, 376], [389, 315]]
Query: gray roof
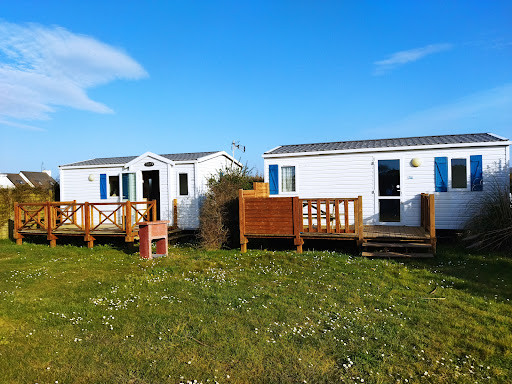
[[16, 179], [39, 179], [388, 143], [126, 159]]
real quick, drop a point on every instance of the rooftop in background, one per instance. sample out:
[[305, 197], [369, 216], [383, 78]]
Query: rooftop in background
[[126, 159], [39, 179], [389, 143], [16, 179]]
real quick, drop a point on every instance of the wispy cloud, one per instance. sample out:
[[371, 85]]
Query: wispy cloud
[[485, 111], [398, 59], [45, 67]]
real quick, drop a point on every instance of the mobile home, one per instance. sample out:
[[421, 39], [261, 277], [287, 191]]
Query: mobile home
[[391, 174], [164, 178]]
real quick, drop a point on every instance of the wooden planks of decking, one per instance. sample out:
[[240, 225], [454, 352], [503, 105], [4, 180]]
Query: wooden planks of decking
[[395, 232]]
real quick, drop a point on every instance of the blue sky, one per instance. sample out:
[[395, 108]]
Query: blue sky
[[87, 79]]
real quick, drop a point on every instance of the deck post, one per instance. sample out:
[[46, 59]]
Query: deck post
[[359, 221], [50, 225], [175, 213], [297, 223], [153, 210], [17, 224], [129, 229], [432, 224], [88, 238], [241, 221]]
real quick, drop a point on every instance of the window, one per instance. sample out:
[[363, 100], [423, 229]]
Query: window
[[288, 179], [459, 174], [183, 184], [113, 183]]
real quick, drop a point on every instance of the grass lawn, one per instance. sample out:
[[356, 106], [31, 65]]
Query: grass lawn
[[102, 315]]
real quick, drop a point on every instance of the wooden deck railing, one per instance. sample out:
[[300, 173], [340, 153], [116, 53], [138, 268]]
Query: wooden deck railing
[[88, 219], [291, 217], [428, 217], [332, 215]]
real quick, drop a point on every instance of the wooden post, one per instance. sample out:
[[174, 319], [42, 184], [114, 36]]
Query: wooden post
[[432, 218], [297, 219], [154, 210], [17, 224], [73, 216], [327, 216], [175, 213], [129, 237], [88, 238], [337, 214], [50, 225], [359, 221], [241, 221]]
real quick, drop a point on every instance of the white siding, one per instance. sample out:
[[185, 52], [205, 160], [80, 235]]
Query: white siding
[[163, 170], [188, 206], [354, 174], [210, 167]]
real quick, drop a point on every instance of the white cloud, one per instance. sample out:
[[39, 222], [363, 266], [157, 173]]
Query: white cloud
[[403, 57], [486, 111], [43, 67]]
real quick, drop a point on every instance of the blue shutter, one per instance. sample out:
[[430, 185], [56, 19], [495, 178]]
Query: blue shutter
[[103, 186], [273, 179], [441, 174], [476, 173]]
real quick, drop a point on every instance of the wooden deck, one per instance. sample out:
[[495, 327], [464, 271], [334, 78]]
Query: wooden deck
[[395, 232], [329, 219], [90, 220]]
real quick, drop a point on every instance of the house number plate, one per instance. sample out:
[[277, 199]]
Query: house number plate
[[149, 164]]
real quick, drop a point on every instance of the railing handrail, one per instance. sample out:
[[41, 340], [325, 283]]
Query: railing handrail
[[50, 216]]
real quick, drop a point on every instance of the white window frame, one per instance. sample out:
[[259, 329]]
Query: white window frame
[[109, 196], [179, 195], [468, 174], [280, 180]]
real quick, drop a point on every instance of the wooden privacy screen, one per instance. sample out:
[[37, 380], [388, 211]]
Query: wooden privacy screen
[[269, 216]]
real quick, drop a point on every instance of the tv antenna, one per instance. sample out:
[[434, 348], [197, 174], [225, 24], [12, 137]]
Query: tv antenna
[[236, 145]]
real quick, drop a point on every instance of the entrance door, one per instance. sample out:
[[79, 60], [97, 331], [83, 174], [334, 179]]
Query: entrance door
[[389, 190], [151, 188]]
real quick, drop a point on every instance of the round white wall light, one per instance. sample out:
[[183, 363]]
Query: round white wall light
[[91, 177], [416, 162]]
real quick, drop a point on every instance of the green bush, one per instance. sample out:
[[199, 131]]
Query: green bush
[[491, 227], [219, 212]]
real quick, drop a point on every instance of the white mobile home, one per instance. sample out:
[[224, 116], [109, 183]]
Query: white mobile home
[[390, 174], [163, 178]]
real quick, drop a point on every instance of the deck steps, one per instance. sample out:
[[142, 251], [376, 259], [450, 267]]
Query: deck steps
[[396, 245], [394, 248], [422, 255]]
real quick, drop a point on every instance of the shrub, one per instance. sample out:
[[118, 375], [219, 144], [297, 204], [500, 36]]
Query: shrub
[[218, 221], [491, 227]]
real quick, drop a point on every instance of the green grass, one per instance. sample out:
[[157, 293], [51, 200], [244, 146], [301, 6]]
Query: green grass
[[78, 315]]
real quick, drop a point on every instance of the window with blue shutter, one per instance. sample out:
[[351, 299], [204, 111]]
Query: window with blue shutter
[[273, 179], [441, 174], [103, 186], [476, 173]]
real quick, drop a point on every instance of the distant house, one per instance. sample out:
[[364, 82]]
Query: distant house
[[390, 174], [163, 178], [33, 179]]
